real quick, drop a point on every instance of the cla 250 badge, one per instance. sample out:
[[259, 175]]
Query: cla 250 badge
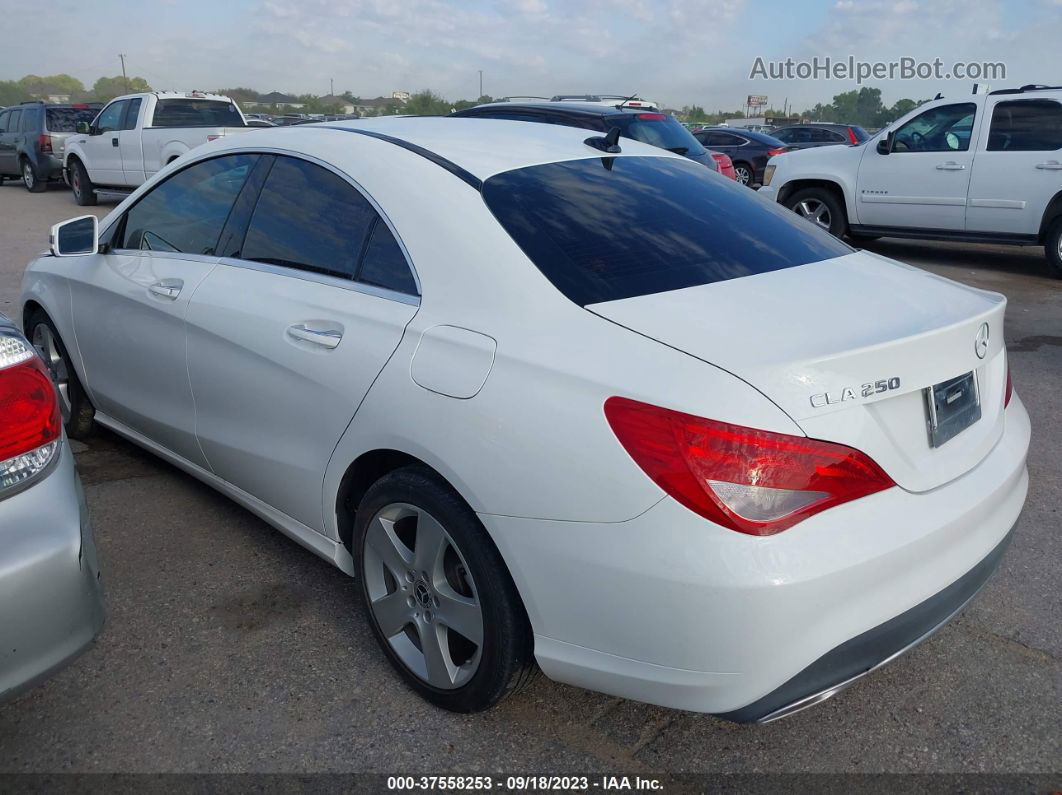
[[853, 392]]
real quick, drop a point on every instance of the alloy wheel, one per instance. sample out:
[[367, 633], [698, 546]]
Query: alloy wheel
[[27, 175], [422, 596], [46, 345], [743, 175], [815, 211]]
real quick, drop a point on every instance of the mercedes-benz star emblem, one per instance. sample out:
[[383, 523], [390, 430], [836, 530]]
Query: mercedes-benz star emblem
[[981, 341]]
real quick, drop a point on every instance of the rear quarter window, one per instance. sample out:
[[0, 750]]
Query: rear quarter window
[[64, 120], [604, 229]]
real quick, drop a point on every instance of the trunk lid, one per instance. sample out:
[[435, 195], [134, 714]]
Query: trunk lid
[[817, 339]]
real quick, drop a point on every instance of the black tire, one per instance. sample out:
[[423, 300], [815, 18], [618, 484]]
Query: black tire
[[506, 660], [808, 201], [1053, 249], [79, 422], [29, 178], [82, 187], [743, 169]]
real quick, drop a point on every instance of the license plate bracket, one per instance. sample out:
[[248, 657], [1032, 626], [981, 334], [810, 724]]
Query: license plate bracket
[[952, 406]]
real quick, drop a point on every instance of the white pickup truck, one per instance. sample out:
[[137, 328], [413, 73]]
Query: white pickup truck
[[134, 136], [980, 168]]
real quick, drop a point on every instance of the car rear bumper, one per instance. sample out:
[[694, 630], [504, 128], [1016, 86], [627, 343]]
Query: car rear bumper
[[866, 653], [670, 609], [50, 600]]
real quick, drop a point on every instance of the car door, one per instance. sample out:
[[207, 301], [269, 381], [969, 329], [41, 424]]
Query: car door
[[129, 144], [129, 303], [287, 334], [6, 147], [10, 125], [1018, 166], [923, 182], [103, 154]]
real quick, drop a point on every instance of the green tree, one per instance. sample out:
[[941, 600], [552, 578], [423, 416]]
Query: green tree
[[37, 86], [107, 88], [427, 103], [12, 93]]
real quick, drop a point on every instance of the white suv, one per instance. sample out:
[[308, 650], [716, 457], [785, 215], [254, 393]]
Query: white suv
[[984, 168]]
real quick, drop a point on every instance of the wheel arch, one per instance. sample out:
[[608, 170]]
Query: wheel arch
[[1051, 214], [368, 468], [791, 187]]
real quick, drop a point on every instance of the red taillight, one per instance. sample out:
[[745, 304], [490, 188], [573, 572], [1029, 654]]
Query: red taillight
[[44, 142], [752, 481], [652, 116], [29, 409], [773, 152], [852, 136], [1008, 390]]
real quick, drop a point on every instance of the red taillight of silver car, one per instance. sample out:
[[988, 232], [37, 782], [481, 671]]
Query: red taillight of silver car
[[30, 421], [755, 482]]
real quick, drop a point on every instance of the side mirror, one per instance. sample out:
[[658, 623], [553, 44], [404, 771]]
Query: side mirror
[[76, 237], [885, 144], [82, 127]]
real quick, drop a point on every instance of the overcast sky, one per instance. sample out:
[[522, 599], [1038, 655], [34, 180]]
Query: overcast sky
[[673, 51]]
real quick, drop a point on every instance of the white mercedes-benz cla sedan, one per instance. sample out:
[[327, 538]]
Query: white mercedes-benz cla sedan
[[554, 399]]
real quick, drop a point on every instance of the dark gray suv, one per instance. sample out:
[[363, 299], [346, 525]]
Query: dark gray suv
[[32, 138]]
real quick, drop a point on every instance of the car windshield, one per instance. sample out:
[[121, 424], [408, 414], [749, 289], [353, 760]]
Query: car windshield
[[62, 120], [663, 131], [196, 113], [603, 229]]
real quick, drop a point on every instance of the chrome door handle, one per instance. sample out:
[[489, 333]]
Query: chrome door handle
[[1050, 165], [950, 166], [167, 288], [326, 338]]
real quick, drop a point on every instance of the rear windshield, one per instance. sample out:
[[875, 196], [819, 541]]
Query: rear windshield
[[196, 113], [608, 228], [62, 120], [860, 134], [663, 132]]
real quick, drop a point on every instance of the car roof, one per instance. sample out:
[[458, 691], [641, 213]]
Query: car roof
[[480, 147], [579, 108], [759, 137]]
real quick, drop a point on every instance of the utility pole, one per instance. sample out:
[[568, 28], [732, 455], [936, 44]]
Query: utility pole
[[121, 57], [331, 87], [481, 82]]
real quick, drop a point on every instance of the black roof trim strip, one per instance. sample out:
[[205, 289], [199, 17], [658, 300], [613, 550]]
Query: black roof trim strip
[[427, 154]]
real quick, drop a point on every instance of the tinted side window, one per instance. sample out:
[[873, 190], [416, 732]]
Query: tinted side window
[[131, 112], [1028, 125], [603, 229], [308, 218], [66, 119], [384, 265], [187, 212], [941, 129], [786, 135], [14, 121], [30, 118], [820, 136], [110, 118], [4, 117]]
